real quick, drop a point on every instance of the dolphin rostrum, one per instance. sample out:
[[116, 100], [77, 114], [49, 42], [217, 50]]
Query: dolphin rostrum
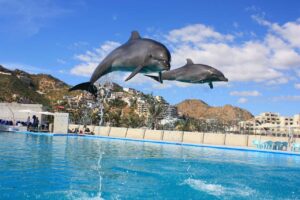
[[137, 55], [193, 73]]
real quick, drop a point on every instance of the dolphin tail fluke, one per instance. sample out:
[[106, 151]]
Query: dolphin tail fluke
[[154, 78], [87, 86]]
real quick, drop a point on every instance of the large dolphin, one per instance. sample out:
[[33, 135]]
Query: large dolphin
[[137, 55], [193, 73]]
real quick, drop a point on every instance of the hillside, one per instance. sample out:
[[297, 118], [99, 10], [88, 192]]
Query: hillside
[[19, 86], [22, 87], [200, 110]]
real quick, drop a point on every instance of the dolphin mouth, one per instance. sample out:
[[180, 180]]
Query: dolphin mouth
[[224, 79], [168, 66]]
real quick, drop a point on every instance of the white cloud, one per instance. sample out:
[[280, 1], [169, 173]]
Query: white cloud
[[289, 31], [263, 60], [287, 98], [253, 93], [242, 100], [268, 60], [297, 85], [90, 59], [279, 81], [197, 33]]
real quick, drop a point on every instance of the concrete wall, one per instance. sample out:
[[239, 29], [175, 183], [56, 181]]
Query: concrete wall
[[274, 139], [61, 123], [182, 137], [173, 136], [118, 132], [214, 139], [153, 135], [135, 133], [236, 140], [193, 137], [102, 130]]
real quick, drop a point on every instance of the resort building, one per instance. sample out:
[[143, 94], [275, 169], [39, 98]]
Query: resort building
[[271, 123], [169, 111], [142, 108]]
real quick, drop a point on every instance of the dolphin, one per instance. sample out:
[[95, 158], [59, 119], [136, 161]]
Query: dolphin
[[193, 73], [137, 55]]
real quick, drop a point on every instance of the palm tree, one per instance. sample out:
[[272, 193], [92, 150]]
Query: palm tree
[[155, 111]]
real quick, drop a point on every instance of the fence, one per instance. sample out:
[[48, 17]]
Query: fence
[[181, 136]]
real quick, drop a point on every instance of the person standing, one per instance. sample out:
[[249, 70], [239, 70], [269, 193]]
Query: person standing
[[28, 123], [37, 123]]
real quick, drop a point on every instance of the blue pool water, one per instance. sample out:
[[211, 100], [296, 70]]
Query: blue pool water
[[46, 167]]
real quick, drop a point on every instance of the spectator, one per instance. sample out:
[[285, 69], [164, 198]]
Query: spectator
[[28, 123], [37, 123]]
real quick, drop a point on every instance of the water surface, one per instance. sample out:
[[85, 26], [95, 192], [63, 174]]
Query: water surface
[[46, 167]]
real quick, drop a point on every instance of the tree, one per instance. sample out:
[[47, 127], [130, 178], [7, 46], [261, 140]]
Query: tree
[[155, 111]]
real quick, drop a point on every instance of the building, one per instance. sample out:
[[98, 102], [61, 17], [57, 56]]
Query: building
[[159, 99], [169, 111], [19, 112], [271, 123], [130, 90], [142, 108], [117, 95]]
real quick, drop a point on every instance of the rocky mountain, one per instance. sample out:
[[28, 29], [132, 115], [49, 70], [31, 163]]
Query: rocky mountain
[[200, 110], [19, 86], [22, 87]]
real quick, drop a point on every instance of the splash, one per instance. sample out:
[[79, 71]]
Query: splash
[[104, 89], [99, 169], [217, 189]]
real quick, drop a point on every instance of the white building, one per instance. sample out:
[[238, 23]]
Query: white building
[[142, 108], [272, 123], [19, 112]]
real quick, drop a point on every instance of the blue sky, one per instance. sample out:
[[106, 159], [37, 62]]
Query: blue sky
[[255, 43]]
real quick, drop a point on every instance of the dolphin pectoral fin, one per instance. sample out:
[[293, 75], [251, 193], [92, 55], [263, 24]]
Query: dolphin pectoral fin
[[87, 86], [153, 77], [136, 70], [210, 85], [160, 77]]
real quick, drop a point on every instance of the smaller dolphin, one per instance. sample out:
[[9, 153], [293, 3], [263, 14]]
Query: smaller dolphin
[[193, 73], [137, 55]]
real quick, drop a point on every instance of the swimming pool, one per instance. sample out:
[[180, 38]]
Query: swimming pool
[[57, 167]]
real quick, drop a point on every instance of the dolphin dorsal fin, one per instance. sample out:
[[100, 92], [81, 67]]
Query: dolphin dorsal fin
[[189, 61], [135, 35]]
